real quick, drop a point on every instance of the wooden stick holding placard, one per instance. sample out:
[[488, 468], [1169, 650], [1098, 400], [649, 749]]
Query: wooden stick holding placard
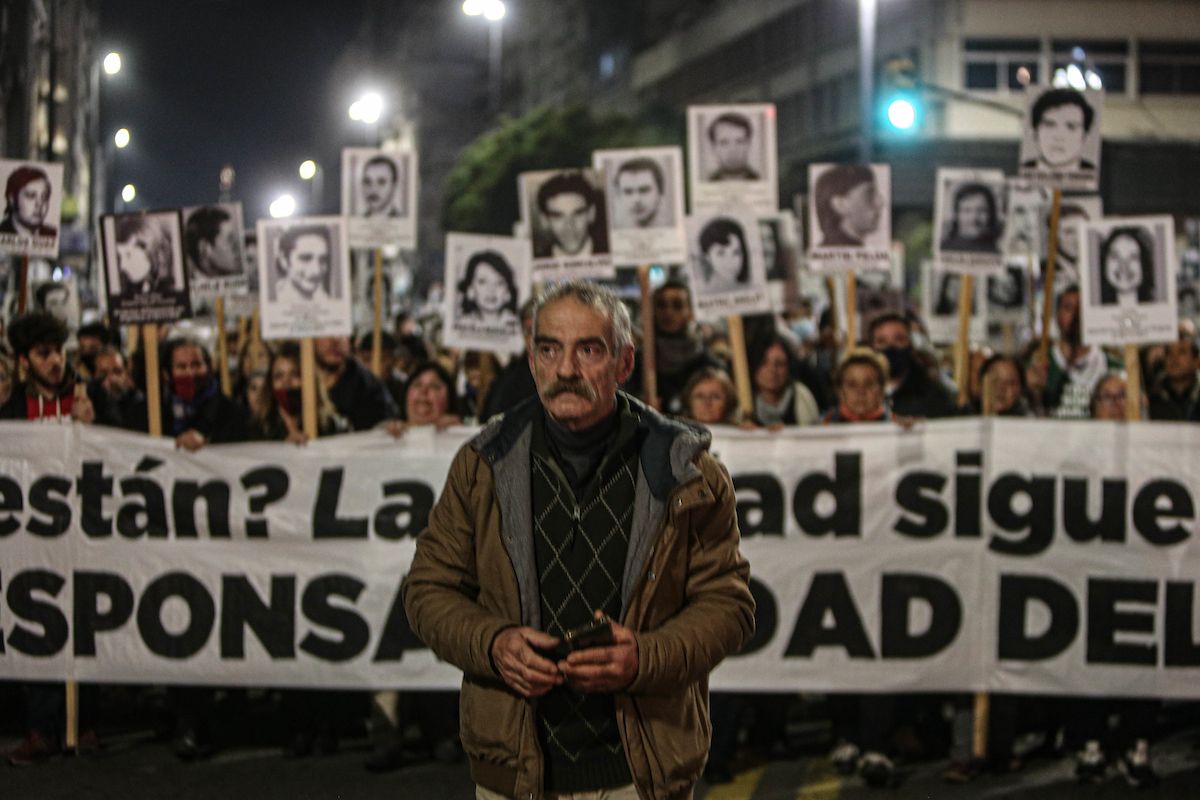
[[851, 310], [222, 348], [133, 335], [23, 284], [308, 387], [1133, 383], [649, 350], [741, 367], [1048, 278], [153, 393], [962, 342], [255, 327], [377, 317]]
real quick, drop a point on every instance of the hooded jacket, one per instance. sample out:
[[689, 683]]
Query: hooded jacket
[[684, 594]]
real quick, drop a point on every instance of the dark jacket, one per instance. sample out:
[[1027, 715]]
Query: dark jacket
[[921, 396], [513, 384], [362, 398], [684, 594]]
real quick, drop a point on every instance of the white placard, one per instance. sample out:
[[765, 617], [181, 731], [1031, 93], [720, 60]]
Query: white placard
[[379, 196], [1070, 210], [304, 277], [213, 250], [33, 196], [644, 187], [1060, 147], [732, 160], [1026, 228], [568, 224], [725, 262], [143, 267], [1008, 293], [1127, 291], [939, 305], [60, 298], [969, 220], [487, 281], [850, 217]]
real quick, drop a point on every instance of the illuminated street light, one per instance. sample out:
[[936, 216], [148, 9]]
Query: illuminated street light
[[128, 193], [308, 170], [121, 138], [1093, 80], [1075, 78], [902, 114], [112, 63], [282, 206], [493, 10], [368, 108]]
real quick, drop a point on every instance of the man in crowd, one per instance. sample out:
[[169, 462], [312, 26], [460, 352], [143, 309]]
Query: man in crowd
[[357, 395], [729, 136], [911, 389], [678, 347], [212, 243], [48, 395], [568, 209], [1175, 392], [522, 548], [117, 399], [1063, 387], [379, 181], [639, 188]]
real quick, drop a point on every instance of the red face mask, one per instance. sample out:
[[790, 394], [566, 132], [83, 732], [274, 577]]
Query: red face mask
[[290, 400], [186, 387]]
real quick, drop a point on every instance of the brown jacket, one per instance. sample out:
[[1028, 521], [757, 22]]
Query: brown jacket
[[685, 594]]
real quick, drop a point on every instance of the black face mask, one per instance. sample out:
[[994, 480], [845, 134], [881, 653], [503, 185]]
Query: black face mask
[[899, 360], [290, 400]]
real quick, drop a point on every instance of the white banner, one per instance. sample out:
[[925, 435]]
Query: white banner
[[963, 555]]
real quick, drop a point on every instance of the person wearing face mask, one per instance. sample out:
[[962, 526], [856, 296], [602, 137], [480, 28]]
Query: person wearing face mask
[[194, 410], [1062, 387], [912, 391]]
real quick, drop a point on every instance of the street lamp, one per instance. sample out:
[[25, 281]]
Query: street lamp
[[311, 171], [308, 169], [282, 206], [128, 193], [866, 76], [121, 138], [112, 63], [494, 12], [367, 109]]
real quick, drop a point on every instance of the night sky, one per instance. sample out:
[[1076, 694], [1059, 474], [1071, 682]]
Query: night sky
[[244, 82]]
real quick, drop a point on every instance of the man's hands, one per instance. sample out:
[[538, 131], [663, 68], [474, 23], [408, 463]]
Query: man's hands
[[591, 670], [190, 439], [526, 672], [603, 669]]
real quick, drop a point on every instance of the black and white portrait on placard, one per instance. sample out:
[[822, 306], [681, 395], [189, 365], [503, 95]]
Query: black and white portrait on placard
[[304, 277], [60, 298], [1028, 216], [32, 207], [849, 217], [379, 191], [1128, 280], [568, 224], [725, 262], [969, 220], [213, 251], [1071, 210], [732, 160], [645, 204], [1060, 147], [488, 280], [143, 267], [940, 293], [1007, 293]]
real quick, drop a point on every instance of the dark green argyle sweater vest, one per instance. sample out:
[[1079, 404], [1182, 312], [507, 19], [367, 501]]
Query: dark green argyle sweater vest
[[580, 549]]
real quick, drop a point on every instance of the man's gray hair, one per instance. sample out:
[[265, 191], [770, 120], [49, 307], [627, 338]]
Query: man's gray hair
[[598, 297]]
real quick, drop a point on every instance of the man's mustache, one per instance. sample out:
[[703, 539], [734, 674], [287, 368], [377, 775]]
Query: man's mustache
[[578, 387]]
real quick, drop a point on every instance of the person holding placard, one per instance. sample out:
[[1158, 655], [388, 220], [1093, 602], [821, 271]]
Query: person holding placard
[[778, 399], [1063, 387], [357, 395]]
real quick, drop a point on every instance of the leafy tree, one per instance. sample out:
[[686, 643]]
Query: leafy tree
[[481, 191]]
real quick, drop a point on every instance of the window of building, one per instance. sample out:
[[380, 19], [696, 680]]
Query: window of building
[[1109, 58], [992, 65], [1169, 67]]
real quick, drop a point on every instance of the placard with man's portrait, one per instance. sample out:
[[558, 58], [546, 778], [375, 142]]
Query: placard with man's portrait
[[1127, 286], [304, 277], [33, 196], [1008, 293], [143, 267], [1060, 147], [725, 264], [379, 196], [568, 224], [969, 220], [644, 187], [1079, 208], [58, 297], [1026, 228], [487, 281], [213, 252], [939, 305], [849, 217], [732, 161]]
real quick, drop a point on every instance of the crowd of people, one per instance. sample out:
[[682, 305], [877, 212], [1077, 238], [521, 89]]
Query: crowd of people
[[802, 373]]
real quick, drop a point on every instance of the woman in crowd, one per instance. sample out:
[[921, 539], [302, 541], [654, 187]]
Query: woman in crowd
[[859, 382], [1004, 377], [779, 400], [710, 398]]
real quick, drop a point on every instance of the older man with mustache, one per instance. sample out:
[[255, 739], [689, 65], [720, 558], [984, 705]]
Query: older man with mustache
[[582, 569]]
